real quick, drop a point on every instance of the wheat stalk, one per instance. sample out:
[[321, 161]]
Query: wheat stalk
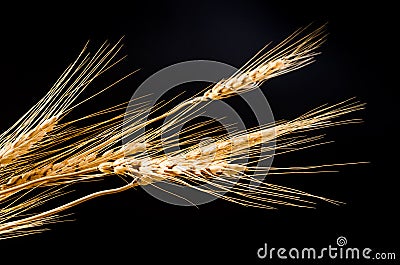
[[289, 55], [26, 141], [217, 160], [29, 161], [31, 130], [40, 120], [207, 164]]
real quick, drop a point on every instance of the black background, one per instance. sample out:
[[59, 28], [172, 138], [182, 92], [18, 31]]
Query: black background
[[132, 227]]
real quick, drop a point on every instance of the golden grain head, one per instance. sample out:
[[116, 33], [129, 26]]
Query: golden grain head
[[32, 156]]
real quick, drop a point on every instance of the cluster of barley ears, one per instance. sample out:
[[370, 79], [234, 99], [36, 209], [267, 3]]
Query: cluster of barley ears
[[43, 154]]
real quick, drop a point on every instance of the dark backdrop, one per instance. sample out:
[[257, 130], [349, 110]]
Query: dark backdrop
[[132, 227]]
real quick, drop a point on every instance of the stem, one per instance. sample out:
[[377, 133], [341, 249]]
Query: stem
[[11, 225], [45, 179]]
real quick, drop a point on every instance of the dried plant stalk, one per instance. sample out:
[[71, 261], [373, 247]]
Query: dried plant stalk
[[26, 141], [94, 154], [40, 120], [289, 55], [217, 160]]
